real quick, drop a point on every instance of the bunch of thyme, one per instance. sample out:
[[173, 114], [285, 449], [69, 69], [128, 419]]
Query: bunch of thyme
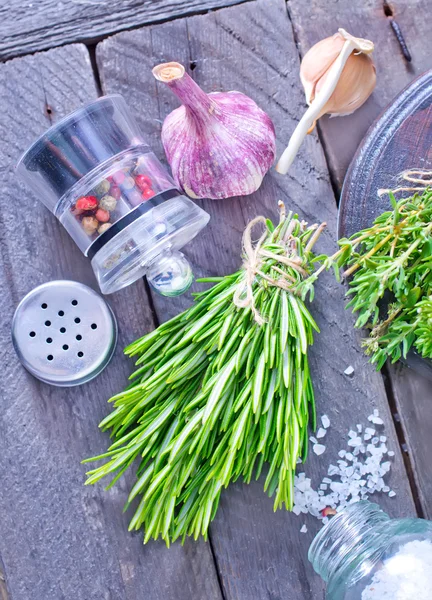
[[391, 284]]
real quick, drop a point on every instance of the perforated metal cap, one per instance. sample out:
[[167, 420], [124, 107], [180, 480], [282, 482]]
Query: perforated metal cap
[[64, 333]]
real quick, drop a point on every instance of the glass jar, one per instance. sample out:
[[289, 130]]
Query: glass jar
[[98, 176], [362, 554]]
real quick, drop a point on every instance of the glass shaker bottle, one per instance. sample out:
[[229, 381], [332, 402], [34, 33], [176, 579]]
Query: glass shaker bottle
[[362, 554], [98, 176]]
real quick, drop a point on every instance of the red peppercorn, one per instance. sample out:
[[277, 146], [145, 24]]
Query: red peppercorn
[[143, 182], [118, 177], [87, 203], [102, 215], [115, 192], [147, 194], [328, 512]]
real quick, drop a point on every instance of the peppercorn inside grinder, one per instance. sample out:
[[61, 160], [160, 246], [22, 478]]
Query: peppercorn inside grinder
[[97, 175]]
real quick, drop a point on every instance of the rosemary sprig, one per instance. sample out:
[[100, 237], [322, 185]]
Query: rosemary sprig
[[390, 264], [220, 390]]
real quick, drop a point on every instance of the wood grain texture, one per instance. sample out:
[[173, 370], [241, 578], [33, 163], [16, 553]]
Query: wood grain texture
[[260, 554], [341, 136], [60, 540], [41, 24]]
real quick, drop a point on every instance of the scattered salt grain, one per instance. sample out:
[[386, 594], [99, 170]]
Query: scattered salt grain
[[405, 575], [383, 438], [325, 421], [392, 494], [354, 442], [313, 439], [303, 529], [321, 432], [390, 453], [349, 371], [360, 471]]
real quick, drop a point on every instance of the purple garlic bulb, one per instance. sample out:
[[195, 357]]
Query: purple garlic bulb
[[218, 145]]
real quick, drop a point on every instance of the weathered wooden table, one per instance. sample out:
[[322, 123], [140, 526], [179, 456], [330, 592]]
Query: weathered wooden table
[[59, 539]]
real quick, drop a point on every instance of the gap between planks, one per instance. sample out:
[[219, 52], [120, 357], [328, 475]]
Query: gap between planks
[[92, 41], [401, 436]]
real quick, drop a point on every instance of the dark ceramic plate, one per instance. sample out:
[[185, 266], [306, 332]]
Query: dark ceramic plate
[[400, 139]]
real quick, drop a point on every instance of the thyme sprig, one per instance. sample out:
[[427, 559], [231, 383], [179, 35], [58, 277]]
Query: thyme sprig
[[391, 285]]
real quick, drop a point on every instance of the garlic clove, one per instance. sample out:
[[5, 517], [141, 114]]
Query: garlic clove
[[218, 145], [317, 61], [337, 87], [355, 85]]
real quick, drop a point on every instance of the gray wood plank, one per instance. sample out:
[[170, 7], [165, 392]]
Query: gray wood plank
[[412, 392], [58, 539], [43, 24], [260, 554]]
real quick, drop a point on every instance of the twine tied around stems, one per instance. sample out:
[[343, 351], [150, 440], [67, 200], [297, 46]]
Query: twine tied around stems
[[254, 253], [420, 179]]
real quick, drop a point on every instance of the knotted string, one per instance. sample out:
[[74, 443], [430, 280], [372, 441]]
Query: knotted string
[[253, 259]]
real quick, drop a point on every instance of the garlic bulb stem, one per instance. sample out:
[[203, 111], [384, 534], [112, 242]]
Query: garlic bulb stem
[[184, 87], [313, 112]]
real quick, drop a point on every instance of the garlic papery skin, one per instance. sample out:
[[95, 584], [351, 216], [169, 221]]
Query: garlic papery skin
[[218, 145], [342, 80]]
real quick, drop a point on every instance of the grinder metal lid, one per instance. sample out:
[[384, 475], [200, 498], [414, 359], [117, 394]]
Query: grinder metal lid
[[64, 333]]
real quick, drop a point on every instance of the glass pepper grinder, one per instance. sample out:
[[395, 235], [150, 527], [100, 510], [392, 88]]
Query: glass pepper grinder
[[362, 554], [99, 177]]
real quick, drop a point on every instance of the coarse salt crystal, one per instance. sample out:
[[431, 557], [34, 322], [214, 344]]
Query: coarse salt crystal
[[392, 493], [321, 432], [313, 440], [390, 453], [319, 449], [303, 529], [325, 421], [354, 442], [349, 371]]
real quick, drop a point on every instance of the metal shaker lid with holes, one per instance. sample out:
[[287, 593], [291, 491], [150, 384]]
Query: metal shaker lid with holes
[[64, 333]]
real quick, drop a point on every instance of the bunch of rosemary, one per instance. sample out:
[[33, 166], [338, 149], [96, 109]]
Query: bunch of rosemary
[[220, 390], [391, 285]]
